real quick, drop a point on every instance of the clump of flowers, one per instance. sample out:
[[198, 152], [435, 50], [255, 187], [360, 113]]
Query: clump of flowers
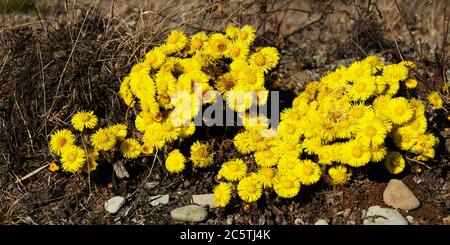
[[341, 122], [351, 117]]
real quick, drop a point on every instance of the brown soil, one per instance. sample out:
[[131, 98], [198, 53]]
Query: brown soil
[[72, 57]]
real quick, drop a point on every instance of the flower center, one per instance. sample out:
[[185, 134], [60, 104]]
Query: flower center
[[357, 152], [360, 87], [260, 60], [308, 170], [103, 137], [400, 110], [61, 141], [85, 118], [359, 72], [72, 156], [357, 113], [371, 131], [221, 47]]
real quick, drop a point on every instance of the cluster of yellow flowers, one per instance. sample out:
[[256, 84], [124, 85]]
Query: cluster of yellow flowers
[[351, 117], [75, 158], [176, 78]]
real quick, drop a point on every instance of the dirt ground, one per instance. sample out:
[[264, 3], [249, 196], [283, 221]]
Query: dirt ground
[[58, 58]]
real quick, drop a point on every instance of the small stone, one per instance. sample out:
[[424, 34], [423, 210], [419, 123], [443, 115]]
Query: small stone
[[398, 195], [159, 200], [410, 219], [347, 212], [151, 185], [351, 222], [377, 215], [229, 220], [298, 222], [321, 222], [114, 204], [446, 220], [190, 213], [204, 200]]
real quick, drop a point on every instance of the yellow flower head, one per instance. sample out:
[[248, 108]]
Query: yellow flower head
[[53, 167], [435, 100], [175, 161], [339, 175], [411, 83], [233, 170], [359, 70], [394, 162], [362, 88], [399, 110], [130, 148], [197, 42], [247, 34], [265, 59], [200, 155], [378, 153], [155, 58], [309, 172], [103, 139], [84, 119], [217, 45], [248, 141], [119, 130], [232, 32], [125, 92], [175, 42], [266, 176], [356, 154], [91, 161], [371, 132], [187, 130], [266, 158], [286, 186], [72, 158], [60, 139], [222, 194], [375, 63], [249, 189], [237, 50]]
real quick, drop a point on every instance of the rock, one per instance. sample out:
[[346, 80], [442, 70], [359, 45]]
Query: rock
[[398, 195], [410, 219], [229, 220], [204, 200], [377, 215], [446, 220], [114, 204], [151, 185], [190, 213], [159, 200], [321, 222]]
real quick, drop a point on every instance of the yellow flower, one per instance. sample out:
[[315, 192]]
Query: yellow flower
[[233, 170], [175, 161], [91, 161], [375, 63], [217, 45], [237, 50], [166, 131], [309, 172], [119, 130], [339, 175], [362, 88], [130, 148], [411, 83], [175, 42], [155, 58], [197, 42], [394, 162], [266, 158], [265, 59], [249, 189], [232, 32], [247, 34], [125, 92], [435, 100], [53, 167], [286, 186], [371, 132], [248, 141], [72, 158], [359, 70], [103, 139], [200, 155], [60, 139], [187, 130], [222, 194], [83, 119], [378, 152], [356, 154], [399, 110], [266, 176]]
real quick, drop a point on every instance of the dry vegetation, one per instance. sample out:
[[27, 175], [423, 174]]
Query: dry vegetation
[[57, 57]]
